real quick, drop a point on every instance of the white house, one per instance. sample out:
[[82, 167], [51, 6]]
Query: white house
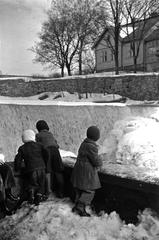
[[148, 57]]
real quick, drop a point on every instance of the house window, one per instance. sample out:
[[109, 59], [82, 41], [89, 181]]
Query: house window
[[151, 48], [104, 56], [111, 55], [130, 52]]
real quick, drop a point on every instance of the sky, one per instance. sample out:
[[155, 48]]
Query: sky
[[20, 23]]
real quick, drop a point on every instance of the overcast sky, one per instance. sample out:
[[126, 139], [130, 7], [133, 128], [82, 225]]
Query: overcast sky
[[20, 21]]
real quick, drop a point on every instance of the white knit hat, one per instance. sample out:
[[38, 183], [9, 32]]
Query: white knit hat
[[2, 158], [28, 136]]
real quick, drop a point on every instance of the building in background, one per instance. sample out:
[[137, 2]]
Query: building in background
[[148, 56]]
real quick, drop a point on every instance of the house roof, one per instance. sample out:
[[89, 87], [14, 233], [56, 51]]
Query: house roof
[[100, 38], [109, 29], [141, 30], [150, 22], [153, 36]]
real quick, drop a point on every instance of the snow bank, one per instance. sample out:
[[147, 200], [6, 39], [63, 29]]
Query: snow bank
[[68, 121], [54, 219], [134, 141]]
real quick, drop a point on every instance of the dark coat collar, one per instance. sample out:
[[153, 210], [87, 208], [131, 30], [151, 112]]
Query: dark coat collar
[[88, 140], [44, 130]]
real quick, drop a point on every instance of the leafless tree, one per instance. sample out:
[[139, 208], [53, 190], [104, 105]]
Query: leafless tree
[[58, 41], [70, 27], [114, 21]]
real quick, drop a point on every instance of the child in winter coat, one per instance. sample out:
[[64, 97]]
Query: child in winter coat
[[84, 177], [34, 157], [54, 164], [7, 182]]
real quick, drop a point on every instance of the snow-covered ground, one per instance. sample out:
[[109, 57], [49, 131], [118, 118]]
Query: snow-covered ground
[[48, 98], [54, 220]]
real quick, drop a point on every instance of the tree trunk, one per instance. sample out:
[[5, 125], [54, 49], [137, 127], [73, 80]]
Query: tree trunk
[[116, 53], [135, 64], [62, 71], [80, 58], [80, 63], [68, 66], [117, 30], [116, 63]]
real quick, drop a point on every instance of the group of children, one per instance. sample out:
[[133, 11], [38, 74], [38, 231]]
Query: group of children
[[39, 156]]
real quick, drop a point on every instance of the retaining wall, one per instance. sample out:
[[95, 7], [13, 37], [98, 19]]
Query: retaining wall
[[137, 87]]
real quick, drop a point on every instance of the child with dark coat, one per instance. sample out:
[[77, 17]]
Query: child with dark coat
[[84, 177], [54, 165], [7, 182], [34, 157]]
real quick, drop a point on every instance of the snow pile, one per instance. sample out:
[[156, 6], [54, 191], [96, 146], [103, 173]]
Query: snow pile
[[66, 96], [54, 220], [65, 153], [133, 141]]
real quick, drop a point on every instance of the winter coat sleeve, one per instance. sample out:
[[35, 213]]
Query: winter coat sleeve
[[45, 155], [93, 156], [18, 160], [55, 144]]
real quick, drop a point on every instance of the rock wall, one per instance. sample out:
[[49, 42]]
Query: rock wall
[[68, 122], [137, 87]]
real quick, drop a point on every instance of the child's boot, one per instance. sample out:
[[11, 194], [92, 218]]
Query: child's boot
[[31, 196], [10, 196], [5, 209], [38, 198], [80, 210]]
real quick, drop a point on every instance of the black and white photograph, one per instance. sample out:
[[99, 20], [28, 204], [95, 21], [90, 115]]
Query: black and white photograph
[[79, 120]]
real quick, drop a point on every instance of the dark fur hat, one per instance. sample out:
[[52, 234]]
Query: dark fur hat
[[42, 125], [93, 133]]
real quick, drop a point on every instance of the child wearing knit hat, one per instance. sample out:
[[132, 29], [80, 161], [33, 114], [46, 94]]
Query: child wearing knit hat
[[84, 177], [34, 157], [54, 165]]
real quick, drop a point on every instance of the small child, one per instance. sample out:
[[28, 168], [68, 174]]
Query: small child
[[54, 164], [34, 156], [84, 177], [7, 182]]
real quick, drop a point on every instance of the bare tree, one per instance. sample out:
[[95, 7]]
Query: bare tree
[[48, 50], [89, 18], [70, 27], [58, 39], [114, 22]]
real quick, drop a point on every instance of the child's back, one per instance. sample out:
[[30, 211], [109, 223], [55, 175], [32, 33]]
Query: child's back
[[34, 156], [84, 177], [54, 165]]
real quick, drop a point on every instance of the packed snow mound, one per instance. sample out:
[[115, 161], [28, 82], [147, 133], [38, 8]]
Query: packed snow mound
[[133, 141], [54, 219]]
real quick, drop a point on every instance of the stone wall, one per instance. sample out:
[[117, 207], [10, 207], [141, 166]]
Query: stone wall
[[137, 87]]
